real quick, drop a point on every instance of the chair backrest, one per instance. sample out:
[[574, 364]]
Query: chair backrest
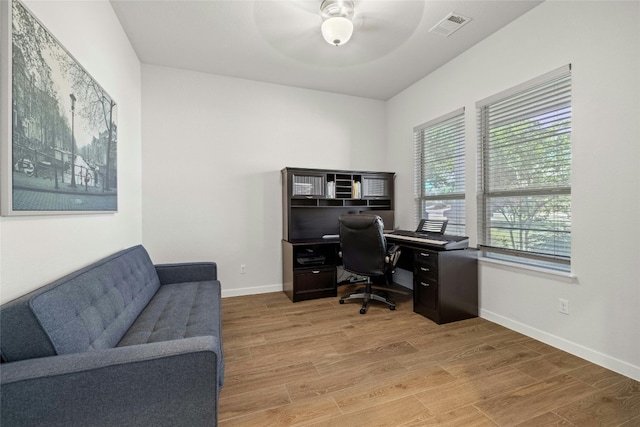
[[363, 245]]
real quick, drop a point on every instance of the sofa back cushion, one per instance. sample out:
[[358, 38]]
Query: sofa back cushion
[[93, 307]]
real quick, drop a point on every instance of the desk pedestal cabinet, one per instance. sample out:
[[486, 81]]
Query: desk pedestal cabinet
[[309, 270], [445, 284]]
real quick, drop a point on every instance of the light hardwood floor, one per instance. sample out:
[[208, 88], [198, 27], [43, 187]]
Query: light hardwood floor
[[320, 363]]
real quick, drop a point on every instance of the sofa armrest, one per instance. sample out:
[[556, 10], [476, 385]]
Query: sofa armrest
[[165, 383], [187, 272]]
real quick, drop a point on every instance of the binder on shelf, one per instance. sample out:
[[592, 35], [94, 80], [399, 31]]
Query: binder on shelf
[[331, 190], [356, 190]]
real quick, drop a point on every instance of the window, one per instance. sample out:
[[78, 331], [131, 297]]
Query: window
[[524, 196], [440, 171]]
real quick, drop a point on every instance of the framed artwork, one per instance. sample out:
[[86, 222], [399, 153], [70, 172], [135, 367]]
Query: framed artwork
[[59, 126]]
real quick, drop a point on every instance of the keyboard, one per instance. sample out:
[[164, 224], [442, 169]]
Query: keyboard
[[440, 241]]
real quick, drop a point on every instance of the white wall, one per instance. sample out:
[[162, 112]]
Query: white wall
[[604, 299], [37, 250], [213, 149]]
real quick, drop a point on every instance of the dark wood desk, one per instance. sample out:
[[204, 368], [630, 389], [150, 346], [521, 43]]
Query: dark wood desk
[[445, 283]]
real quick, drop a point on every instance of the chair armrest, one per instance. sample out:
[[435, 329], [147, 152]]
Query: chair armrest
[[187, 272], [393, 254], [164, 383]]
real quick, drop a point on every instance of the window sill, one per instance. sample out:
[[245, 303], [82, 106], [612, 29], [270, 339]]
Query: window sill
[[523, 268]]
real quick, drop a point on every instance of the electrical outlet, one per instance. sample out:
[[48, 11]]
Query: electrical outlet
[[563, 306], [243, 268]]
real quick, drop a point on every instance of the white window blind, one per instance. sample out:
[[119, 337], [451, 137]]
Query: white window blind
[[524, 195], [440, 171]]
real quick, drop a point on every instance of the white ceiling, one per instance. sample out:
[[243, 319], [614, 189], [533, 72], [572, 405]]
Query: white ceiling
[[280, 41]]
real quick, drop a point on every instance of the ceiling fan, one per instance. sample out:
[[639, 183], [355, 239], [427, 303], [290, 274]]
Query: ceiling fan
[[337, 26], [363, 30]]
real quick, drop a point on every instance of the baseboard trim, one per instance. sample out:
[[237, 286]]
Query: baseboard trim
[[593, 356], [251, 291]]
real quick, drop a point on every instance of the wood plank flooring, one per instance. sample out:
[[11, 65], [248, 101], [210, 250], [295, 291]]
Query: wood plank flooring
[[320, 363]]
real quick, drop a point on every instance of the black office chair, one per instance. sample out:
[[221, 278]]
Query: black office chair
[[364, 252]]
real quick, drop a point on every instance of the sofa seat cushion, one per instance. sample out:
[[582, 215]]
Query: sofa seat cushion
[[180, 310]]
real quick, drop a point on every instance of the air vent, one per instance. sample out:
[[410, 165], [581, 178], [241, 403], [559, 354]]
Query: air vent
[[450, 24]]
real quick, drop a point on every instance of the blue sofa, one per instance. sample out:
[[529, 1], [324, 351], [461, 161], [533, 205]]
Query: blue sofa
[[121, 342]]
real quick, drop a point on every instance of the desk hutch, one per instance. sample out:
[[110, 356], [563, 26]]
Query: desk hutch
[[312, 201]]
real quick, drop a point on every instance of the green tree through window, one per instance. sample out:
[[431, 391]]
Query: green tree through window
[[440, 171], [525, 167]]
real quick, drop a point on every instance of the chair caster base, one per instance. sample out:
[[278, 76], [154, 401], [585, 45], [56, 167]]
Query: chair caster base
[[368, 295]]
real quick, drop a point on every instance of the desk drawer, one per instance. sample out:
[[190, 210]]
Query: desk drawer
[[426, 280], [426, 258], [425, 264], [424, 269], [425, 292], [314, 283]]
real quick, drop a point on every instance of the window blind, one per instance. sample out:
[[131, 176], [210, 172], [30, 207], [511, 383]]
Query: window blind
[[440, 171], [524, 195]]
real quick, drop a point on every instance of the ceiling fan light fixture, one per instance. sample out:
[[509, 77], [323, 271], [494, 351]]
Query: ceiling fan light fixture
[[337, 27], [337, 30]]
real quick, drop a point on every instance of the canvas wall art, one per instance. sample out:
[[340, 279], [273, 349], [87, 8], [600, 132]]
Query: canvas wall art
[[61, 150]]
